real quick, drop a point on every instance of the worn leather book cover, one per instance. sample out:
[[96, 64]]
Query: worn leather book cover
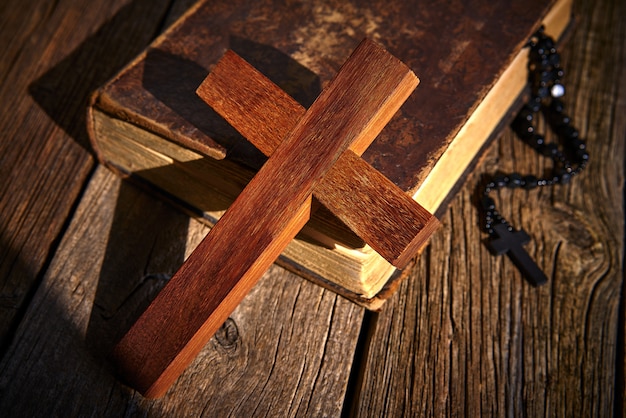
[[148, 124]]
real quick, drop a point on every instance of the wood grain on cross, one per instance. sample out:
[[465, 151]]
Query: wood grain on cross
[[372, 206], [343, 121]]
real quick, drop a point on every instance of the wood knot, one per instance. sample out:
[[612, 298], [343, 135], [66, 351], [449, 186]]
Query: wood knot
[[228, 335]]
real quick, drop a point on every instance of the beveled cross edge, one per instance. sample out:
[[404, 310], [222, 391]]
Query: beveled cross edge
[[217, 275]]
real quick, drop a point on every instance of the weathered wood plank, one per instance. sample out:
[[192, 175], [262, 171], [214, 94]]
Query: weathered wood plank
[[286, 350], [466, 336], [54, 55]]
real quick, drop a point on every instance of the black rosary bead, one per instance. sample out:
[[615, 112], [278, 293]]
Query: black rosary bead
[[556, 105], [537, 141], [488, 203], [566, 131], [527, 131], [535, 104], [556, 119], [562, 119], [554, 59], [565, 178], [577, 144], [543, 77], [550, 150], [526, 114], [560, 73], [530, 182], [489, 187], [582, 155], [543, 92], [515, 180], [500, 181]]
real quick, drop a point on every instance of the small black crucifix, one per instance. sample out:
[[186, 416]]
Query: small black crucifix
[[510, 242], [314, 154]]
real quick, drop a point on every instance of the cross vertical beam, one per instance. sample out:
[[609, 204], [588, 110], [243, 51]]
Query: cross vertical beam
[[350, 112]]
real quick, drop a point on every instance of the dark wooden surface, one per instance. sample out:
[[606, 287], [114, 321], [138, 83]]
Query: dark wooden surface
[[82, 253]]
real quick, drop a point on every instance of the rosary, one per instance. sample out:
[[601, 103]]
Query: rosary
[[544, 75]]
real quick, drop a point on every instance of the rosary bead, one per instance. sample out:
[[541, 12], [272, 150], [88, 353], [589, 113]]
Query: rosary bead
[[539, 50], [527, 132], [543, 92], [556, 105], [523, 127], [500, 181], [535, 104], [561, 176], [538, 59], [548, 44], [526, 114], [582, 155], [560, 157], [543, 77], [557, 90], [577, 143], [536, 141], [563, 119], [567, 131], [488, 204], [555, 59], [515, 180], [557, 120], [550, 150], [530, 182]]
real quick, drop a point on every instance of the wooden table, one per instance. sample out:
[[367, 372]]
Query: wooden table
[[83, 251]]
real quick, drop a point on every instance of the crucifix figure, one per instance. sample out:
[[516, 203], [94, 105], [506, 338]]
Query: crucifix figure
[[510, 242], [313, 152]]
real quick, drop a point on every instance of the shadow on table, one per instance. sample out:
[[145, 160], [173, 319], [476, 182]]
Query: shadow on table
[[63, 91]]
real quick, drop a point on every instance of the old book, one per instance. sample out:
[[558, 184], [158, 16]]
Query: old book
[[149, 125]]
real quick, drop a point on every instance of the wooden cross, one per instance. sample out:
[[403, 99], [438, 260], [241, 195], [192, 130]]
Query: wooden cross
[[510, 242], [311, 152]]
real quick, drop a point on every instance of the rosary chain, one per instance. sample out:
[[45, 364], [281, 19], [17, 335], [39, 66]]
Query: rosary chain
[[545, 75]]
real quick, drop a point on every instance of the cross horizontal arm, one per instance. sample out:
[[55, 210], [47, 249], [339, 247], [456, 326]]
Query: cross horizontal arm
[[377, 210], [367, 91]]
